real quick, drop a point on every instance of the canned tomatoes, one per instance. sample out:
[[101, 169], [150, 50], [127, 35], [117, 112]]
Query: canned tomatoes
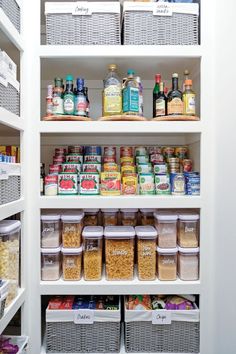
[[60, 151], [76, 149], [93, 150]]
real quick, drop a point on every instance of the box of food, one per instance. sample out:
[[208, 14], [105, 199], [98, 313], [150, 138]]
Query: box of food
[[110, 183]]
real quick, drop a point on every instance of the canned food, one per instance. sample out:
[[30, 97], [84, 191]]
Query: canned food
[[160, 168], [74, 158], [109, 151], [128, 169], [67, 183], [92, 167], [187, 165], [146, 184], [192, 183], [93, 150], [76, 149], [55, 169], [110, 167], [156, 158], [129, 184], [109, 159], [92, 158], [177, 181], [89, 183], [155, 150], [72, 167], [126, 151], [140, 150], [50, 185], [58, 160], [144, 168], [60, 151], [174, 160], [128, 160], [181, 152], [162, 184], [142, 159], [168, 151]]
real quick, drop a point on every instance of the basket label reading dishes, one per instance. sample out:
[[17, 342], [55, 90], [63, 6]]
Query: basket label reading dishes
[[84, 317], [82, 8], [161, 317], [162, 9]]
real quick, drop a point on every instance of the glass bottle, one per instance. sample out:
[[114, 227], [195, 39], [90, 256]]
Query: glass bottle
[[131, 95], [186, 77], [49, 101], [112, 93], [175, 98], [42, 176], [57, 100], [189, 98], [138, 79], [87, 100], [161, 102], [155, 92], [80, 99], [69, 97]]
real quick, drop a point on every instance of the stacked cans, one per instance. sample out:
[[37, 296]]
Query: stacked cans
[[192, 183]]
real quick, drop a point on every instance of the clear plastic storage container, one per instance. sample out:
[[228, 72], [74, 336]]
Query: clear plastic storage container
[[147, 217], [188, 263], [72, 229], [146, 252], [119, 252], [9, 255], [71, 263], [50, 230], [188, 230], [92, 240], [110, 217], [166, 224], [50, 263], [167, 263], [129, 217], [91, 217]]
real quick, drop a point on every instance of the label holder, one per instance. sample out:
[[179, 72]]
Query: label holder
[[161, 317]]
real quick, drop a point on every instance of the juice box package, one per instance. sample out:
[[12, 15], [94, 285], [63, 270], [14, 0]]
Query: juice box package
[[146, 184], [130, 184], [67, 183], [89, 183], [162, 183], [110, 183]]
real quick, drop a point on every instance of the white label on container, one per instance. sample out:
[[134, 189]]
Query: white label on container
[[3, 174], [162, 9], [84, 317], [161, 317], [82, 9]]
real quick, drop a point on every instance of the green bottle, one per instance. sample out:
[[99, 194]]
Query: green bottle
[[156, 92], [69, 97]]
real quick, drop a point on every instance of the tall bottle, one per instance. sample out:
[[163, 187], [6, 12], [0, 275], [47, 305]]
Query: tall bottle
[[155, 92], [138, 79], [57, 99], [87, 100], [131, 95], [161, 102], [186, 77], [175, 98], [189, 98], [112, 93], [80, 99], [69, 97]]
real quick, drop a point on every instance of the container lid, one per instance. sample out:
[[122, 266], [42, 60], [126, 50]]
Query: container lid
[[72, 250], [165, 216], [91, 210], [92, 232], [167, 250], [110, 210], [119, 232], [52, 217], [147, 210], [129, 210], [50, 250], [148, 232], [189, 217], [7, 226], [188, 250], [72, 216]]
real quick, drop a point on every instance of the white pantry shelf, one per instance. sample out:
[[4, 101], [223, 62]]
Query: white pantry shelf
[[11, 310], [10, 31], [10, 119], [12, 208]]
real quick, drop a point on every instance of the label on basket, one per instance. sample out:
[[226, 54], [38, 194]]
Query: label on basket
[[162, 9], [161, 317], [3, 174], [82, 8], [84, 317]]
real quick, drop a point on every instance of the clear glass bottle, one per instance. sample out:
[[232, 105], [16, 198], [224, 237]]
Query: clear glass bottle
[[189, 98], [186, 77], [131, 95], [138, 79], [112, 93], [69, 97]]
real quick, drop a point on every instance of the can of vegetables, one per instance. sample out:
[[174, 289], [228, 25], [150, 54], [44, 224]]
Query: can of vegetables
[[129, 184], [67, 183]]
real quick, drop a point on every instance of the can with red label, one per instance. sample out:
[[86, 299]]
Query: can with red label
[[60, 151], [126, 151], [51, 185], [109, 151], [187, 165], [58, 160], [75, 149], [55, 169], [109, 159]]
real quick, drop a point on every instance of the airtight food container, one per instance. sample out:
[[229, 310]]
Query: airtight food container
[[71, 263], [188, 263], [50, 230], [92, 249], [50, 263], [72, 229], [146, 252], [119, 252], [167, 263], [147, 216], [129, 217], [91, 217], [166, 224], [110, 217], [188, 230]]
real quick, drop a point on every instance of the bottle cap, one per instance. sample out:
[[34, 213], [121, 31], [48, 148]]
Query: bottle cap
[[69, 78], [58, 80], [138, 79], [158, 78], [175, 75], [186, 72], [112, 67], [130, 72], [80, 81], [188, 82]]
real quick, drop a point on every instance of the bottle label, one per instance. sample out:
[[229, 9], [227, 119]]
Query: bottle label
[[131, 99], [141, 104], [160, 107], [189, 103], [175, 106], [80, 106], [112, 99], [69, 104], [57, 105]]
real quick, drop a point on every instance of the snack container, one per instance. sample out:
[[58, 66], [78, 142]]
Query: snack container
[[50, 230], [72, 229], [9, 255], [110, 217], [188, 263], [71, 263], [146, 252], [119, 252], [147, 217], [92, 249], [167, 263], [91, 217], [166, 224], [50, 263], [129, 217], [188, 230], [89, 183], [67, 183]]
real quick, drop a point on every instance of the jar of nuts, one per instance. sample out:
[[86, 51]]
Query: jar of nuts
[[188, 230], [166, 224], [91, 217], [129, 217], [92, 240], [146, 252], [119, 252], [71, 263], [110, 217], [72, 229]]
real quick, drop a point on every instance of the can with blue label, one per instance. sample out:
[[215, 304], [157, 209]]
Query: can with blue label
[[177, 182], [192, 183], [93, 150]]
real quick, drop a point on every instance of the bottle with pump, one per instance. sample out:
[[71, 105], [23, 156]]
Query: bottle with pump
[[175, 98], [131, 95], [112, 93], [155, 92], [80, 99], [189, 98], [161, 102], [69, 97]]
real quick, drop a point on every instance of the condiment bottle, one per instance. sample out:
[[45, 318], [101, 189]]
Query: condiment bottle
[[175, 98], [69, 97], [87, 100], [155, 92], [80, 99], [57, 108], [189, 98], [42, 176], [138, 79], [186, 77], [112, 93], [131, 95], [49, 101], [161, 102]]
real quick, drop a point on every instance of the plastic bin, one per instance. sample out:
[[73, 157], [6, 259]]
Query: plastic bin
[[167, 263], [92, 243], [147, 217], [13, 11], [91, 217], [50, 263], [110, 217], [188, 230], [50, 230], [166, 224], [119, 252], [72, 263], [9, 255], [72, 229], [129, 217], [188, 263]]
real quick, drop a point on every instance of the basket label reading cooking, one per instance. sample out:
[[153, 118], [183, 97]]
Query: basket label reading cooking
[[82, 9], [161, 9], [161, 317], [84, 317]]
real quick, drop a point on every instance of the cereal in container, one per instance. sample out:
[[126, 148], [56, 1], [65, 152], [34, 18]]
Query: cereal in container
[[50, 230], [146, 252], [72, 229], [129, 217], [110, 217], [92, 257], [119, 252], [166, 224], [188, 263], [167, 263], [50, 263], [147, 216], [91, 217], [72, 263], [188, 230]]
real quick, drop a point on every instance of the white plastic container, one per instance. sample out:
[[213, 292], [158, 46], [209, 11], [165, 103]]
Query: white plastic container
[[72, 229], [71, 263], [188, 263], [91, 217], [110, 217], [147, 216], [167, 263], [50, 263], [188, 230], [129, 217], [166, 224], [92, 257], [50, 230], [146, 252], [119, 249]]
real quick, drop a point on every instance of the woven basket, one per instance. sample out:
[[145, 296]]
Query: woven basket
[[3, 297], [10, 98], [10, 186], [101, 25], [142, 26], [2, 307], [13, 12]]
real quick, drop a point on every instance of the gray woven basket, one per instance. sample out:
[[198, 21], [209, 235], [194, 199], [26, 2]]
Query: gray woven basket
[[68, 337], [2, 307], [12, 10], [10, 189], [10, 98], [178, 337]]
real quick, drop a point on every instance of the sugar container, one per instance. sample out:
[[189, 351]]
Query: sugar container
[[166, 224], [188, 230], [188, 263], [50, 263], [50, 230]]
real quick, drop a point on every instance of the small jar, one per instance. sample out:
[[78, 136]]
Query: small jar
[[91, 217], [147, 217], [188, 263], [188, 230], [129, 217], [146, 252], [166, 224], [50, 230], [167, 263], [72, 229], [72, 263], [50, 263], [110, 217]]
